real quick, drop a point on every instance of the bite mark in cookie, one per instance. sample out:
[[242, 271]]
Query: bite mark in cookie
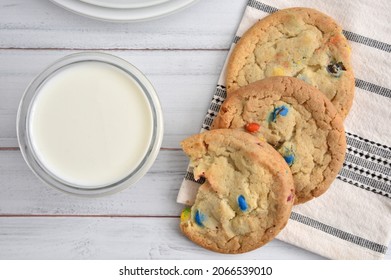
[[247, 195]]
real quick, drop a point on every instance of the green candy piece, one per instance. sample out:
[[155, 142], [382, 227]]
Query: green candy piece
[[185, 215]]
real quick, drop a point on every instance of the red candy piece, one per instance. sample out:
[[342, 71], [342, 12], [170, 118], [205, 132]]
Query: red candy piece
[[252, 127]]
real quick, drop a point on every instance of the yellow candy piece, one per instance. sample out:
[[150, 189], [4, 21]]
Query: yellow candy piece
[[278, 71], [185, 215]]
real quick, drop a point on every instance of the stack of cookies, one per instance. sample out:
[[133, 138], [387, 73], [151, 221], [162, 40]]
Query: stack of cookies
[[278, 139]]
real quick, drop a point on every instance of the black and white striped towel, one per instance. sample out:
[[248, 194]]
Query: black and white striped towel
[[352, 220]]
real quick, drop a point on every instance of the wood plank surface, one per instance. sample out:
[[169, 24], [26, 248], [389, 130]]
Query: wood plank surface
[[41, 24], [21, 193], [182, 55], [115, 238]]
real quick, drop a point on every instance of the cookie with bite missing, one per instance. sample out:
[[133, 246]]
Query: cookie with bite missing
[[297, 42], [247, 196], [298, 121]]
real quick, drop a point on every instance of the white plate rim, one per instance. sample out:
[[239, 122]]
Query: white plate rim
[[124, 15], [117, 5]]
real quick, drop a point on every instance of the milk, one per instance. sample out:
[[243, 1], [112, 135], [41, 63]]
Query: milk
[[90, 124]]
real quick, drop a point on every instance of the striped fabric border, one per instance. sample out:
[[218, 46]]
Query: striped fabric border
[[262, 6], [190, 177], [361, 186], [354, 37], [367, 165], [374, 184], [339, 233], [386, 92], [366, 41], [370, 173], [218, 99], [368, 145]]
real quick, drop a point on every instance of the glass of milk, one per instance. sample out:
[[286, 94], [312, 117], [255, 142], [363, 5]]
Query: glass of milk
[[90, 124]]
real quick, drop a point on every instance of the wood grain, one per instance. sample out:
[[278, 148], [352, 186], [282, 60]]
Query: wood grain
[[41, 24], [115, 238], [182, 55], [155, 194]]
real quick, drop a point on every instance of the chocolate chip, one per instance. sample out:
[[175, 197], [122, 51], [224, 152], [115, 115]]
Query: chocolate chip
[[335, 69]]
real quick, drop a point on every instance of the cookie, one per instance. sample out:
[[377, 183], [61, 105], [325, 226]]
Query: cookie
[[298, 121], [296, 42], [247, 196]]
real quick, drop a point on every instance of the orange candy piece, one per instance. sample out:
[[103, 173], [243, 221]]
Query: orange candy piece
[[252, 127]]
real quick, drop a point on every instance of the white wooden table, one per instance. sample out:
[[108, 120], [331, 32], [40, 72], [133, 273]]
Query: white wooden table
[[182, 55]]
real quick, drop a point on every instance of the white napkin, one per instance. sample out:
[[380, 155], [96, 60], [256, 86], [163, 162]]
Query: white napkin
[[352, 220]]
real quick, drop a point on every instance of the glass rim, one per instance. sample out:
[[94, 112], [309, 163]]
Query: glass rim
[[27, 149]]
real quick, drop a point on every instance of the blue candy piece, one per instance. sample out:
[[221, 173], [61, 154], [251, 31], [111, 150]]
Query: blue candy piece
[[199, 218], [289, 159], [242, 203], [282, 111]]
